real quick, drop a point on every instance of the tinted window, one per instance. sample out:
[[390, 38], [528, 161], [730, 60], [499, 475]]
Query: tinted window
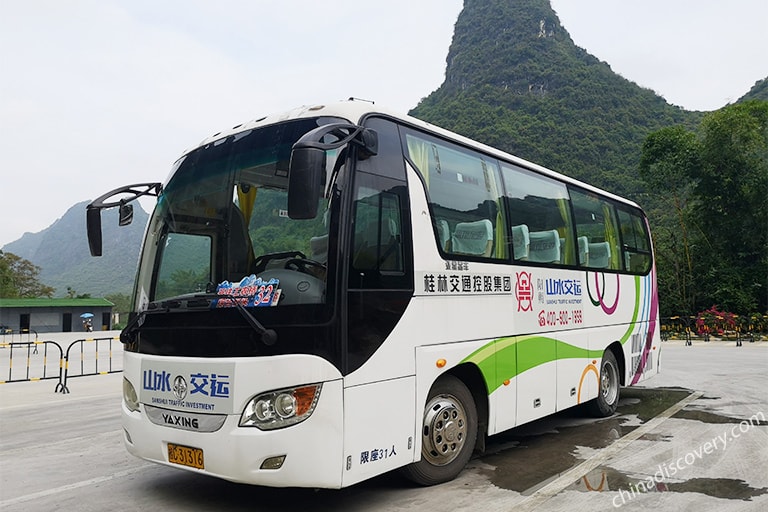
[[378, 258], [636, 246], [389, 159], [540, 217], [464, 191], [597, 230]]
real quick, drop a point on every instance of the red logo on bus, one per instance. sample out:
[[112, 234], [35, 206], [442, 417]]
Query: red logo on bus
[[524, 291]]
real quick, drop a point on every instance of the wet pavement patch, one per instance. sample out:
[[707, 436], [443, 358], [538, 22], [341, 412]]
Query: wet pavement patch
[[624, 487], [726, 488], [710, 417], [527, 457], [651, 402]]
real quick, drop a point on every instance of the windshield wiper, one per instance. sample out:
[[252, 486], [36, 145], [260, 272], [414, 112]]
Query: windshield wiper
[[204, 301], [268, 336]]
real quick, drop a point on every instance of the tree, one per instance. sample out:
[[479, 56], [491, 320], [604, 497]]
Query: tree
[[7, 288], [669, 159], [72, 294], [732, 207], [121, 301], [122, 307], [714, 248], [19, 278]]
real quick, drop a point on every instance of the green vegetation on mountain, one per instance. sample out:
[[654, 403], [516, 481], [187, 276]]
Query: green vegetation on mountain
[[515, 80], [759, 91]]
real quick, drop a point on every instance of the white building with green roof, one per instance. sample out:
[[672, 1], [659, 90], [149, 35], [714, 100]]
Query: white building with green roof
[[55, 315]]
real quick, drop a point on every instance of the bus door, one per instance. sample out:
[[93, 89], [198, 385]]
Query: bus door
[[379, 397], [379, 250]]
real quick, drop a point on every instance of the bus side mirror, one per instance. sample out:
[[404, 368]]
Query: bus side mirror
[[306, 171], [93, 226], [93, 210], [305, 174]]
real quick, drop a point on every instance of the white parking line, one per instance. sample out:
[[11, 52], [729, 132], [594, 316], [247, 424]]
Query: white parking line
[[535, 500], [71, 487]]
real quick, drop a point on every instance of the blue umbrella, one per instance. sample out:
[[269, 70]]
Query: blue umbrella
[[86, 315]]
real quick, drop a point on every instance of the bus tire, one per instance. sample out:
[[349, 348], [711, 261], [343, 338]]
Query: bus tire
[[608, 395], [449, 432]]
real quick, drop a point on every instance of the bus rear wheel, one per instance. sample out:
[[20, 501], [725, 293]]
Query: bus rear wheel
[[608, 396], [449, 432]]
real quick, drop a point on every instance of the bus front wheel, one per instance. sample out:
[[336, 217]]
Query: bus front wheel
[[608, 395], [448, 433]]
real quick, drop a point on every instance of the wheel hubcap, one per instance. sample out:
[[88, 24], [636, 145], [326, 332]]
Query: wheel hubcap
[[609, 383], [445, 430]]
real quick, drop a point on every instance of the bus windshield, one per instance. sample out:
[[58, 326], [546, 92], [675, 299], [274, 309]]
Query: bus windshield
[[222, 216], [220, 240]]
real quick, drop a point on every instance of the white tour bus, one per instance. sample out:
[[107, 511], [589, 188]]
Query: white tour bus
[[338, 291]]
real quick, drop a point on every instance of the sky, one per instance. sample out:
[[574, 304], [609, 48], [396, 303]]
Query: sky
[[96, 94]]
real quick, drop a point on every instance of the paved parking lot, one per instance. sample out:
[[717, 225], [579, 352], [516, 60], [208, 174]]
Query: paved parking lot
[[694, 437]]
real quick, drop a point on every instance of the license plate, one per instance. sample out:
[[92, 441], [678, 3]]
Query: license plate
[[186, 456]]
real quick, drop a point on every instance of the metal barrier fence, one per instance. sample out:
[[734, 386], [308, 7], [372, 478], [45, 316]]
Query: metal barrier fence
[[42, 360], [11, 335], [88, 366], [27, 350]]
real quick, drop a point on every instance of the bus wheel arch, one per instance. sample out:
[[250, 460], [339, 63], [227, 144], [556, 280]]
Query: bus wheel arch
[[472, 377], [610, 380], [449, 430]]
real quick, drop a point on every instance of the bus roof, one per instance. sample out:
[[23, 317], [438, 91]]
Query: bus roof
[[354, 110]]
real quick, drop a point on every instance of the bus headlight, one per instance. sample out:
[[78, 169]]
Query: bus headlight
[[130, 397], [281, 408]]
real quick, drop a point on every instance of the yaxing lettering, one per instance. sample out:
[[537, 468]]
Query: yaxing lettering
[[181, 421]]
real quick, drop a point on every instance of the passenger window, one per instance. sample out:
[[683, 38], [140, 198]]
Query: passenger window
[[541, 229], [636, 245], [596, 231], [464, 191]]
